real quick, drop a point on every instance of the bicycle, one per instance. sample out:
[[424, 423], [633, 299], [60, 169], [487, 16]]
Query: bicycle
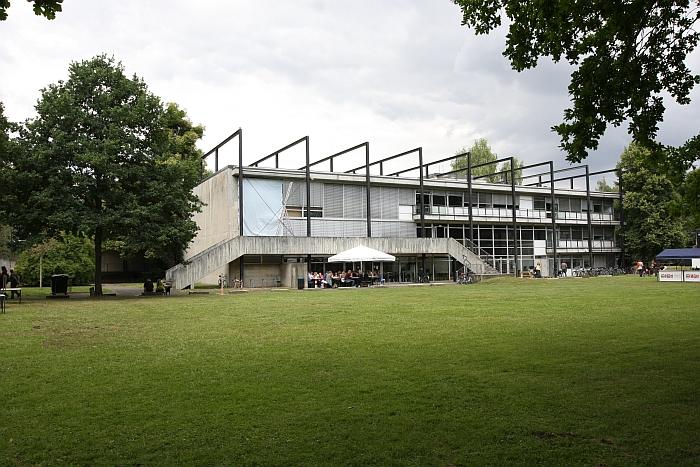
[[467, 277]]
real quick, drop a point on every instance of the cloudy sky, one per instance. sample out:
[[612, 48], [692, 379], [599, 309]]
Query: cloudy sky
[[399, 74]]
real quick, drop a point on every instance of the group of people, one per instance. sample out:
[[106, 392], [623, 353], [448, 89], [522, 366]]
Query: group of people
[[9, 280], [160, 287], [647, 271], [349, 278]]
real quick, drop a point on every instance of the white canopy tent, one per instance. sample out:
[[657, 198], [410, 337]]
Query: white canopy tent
[[360, 254]]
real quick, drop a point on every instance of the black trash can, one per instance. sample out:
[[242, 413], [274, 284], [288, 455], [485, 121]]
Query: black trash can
[[59, 284], [300, 283]]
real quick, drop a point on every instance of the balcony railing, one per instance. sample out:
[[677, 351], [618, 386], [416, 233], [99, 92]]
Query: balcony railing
[[505, 214]]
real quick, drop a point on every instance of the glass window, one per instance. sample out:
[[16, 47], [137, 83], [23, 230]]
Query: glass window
[[576, 233], [454, 201], [565, 233], [456, 232], [426, 198], [500, 201], [315, 211], [563, 204], [475, 199], [440, 231], [597, 205], [575, 204], [539, 203], [485, 200], [540, 234], [608, 206], [439, 200], [525, 234]]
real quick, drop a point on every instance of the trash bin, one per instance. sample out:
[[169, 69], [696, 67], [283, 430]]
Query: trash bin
[[300, 283], [59, 284]]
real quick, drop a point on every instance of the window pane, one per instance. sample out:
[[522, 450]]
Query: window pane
[[539, 203], [455, 201]]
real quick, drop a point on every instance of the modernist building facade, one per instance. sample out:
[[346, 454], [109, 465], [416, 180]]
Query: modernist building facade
[[267, 226], [509, 233]]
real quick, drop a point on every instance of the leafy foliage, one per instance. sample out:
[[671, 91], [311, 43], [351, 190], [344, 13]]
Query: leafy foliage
[[481, 153], [66, 254], [106, 159], [652, 203], [604, 187], [46, 8], [505, 167], [692, 198], [626, 54]]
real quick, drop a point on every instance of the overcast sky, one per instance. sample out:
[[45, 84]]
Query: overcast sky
[[399, 74]]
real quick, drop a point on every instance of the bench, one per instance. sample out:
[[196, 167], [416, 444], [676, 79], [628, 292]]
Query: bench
[[12, 289]]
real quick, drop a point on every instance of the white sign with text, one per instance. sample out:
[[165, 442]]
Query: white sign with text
[[691, 276], [670, 276]]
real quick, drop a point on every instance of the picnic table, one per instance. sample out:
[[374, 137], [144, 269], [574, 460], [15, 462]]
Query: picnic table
[[7, 291]]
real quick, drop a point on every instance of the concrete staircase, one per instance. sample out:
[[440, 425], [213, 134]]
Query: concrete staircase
[[219, 255]]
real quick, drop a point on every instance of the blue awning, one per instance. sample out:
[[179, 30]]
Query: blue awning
[[678, 253]]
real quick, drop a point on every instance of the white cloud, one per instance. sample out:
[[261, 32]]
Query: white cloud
[[399, 74]]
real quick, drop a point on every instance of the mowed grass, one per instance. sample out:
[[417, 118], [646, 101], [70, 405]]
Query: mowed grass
[[579, 371]]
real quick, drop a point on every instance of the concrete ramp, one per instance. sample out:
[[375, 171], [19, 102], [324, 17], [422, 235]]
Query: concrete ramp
[[221, 254]]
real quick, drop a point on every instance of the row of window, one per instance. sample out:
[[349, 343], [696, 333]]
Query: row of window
[[505, 201], [501, 234]]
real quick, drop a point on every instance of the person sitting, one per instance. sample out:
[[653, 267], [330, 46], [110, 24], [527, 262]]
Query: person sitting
[[310, 280], [160, 288], [148, 287], [348, 280], [329, 280]]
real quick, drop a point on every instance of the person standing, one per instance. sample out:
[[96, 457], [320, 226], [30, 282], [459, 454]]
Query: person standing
[[4, 277], [14, 283], [640, 267]]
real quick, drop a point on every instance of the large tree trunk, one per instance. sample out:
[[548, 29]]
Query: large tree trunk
[[98, 261]]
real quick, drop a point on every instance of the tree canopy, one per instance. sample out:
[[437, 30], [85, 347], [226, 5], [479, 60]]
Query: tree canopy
[[627, 55], [105, 158], [654, 211], [46, 8], [505, 168], [481, 153]]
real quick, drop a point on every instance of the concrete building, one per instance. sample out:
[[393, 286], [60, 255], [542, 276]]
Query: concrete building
[[267, 226]]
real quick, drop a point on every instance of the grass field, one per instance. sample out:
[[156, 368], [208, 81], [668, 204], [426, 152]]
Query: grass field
[[557, 372]]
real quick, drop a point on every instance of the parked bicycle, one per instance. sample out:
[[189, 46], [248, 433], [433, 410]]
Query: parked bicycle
[[467, 277]]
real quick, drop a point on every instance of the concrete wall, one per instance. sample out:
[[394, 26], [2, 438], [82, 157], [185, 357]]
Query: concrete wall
[[218, 256], [218, 220], [7, 263]]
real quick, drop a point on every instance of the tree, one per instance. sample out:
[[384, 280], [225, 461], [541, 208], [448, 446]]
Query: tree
[[603, 186], [104, 158], [481, 153], [66, 254], [46, 8], [505, 167], [627, 56], [692, 198], [652, 203], [5, 147]]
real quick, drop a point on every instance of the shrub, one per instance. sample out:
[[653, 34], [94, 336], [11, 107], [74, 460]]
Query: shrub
[[67, 254]]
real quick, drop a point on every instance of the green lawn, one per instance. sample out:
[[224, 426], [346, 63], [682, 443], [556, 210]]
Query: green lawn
[[558, 372]]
